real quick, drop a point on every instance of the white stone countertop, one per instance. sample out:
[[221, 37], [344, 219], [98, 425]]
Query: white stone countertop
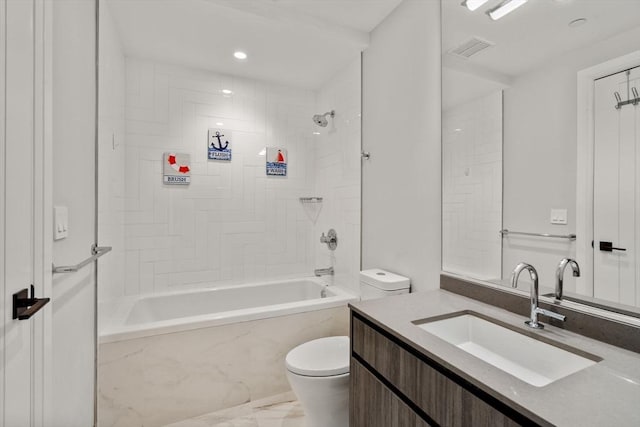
[[605, 394]]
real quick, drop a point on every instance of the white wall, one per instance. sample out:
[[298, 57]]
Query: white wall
[[401, 130], [111, 149], [337, 175], [472, 188], [540, 146], [73, 296], [233, 223]]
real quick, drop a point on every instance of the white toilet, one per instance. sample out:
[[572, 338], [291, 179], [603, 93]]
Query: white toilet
[[376, 283], [318, 370]]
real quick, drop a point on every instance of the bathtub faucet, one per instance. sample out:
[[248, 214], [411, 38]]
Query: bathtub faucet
[[323, 271]]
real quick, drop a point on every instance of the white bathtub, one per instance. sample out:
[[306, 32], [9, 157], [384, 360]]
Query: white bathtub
[[170, 357], [136, 317]]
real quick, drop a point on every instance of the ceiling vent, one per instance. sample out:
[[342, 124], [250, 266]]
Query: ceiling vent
[[471, 47]]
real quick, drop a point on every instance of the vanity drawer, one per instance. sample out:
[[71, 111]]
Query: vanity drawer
[[442, 397], [374, 405]]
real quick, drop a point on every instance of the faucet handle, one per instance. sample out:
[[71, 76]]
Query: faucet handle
[[551, 314], [331, 239]]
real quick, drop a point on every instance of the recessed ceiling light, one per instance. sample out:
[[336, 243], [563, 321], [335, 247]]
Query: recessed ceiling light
[[504, 8], [577, 22], [458, 130], [240, 55], [474, 4], [219, 124], [316, 133], [226, 92]]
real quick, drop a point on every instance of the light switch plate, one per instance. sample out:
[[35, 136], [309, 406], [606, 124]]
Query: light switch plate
[[60, 222], [559, 216]]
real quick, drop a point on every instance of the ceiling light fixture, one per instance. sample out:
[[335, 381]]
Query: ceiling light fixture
[[240, 55], [474, 4], [505, 8], [226, 92], [219, 124]]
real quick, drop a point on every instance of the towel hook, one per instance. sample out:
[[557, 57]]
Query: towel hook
[[618, 100]]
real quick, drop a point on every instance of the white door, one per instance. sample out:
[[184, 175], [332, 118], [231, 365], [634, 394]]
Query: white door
[[22, 345], [634, 83], [616, 210]]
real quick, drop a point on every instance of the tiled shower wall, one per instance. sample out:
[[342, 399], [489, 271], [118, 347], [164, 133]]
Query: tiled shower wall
[[472, 188], [233, 224], [337, 154]]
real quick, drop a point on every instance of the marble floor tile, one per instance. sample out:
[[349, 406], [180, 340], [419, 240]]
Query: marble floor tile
[[282, 410]]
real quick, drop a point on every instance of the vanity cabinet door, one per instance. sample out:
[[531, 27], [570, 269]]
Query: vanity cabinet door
[[426, 384], [374, 405]]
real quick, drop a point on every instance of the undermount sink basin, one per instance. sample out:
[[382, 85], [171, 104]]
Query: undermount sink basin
[[529, 359]]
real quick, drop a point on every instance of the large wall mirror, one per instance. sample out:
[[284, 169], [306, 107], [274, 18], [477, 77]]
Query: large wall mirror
[[541, 144]]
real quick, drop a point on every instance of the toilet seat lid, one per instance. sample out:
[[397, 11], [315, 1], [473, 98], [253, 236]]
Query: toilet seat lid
[[323, 357]]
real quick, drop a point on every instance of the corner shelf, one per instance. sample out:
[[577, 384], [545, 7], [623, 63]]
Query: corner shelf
[[310, 199]]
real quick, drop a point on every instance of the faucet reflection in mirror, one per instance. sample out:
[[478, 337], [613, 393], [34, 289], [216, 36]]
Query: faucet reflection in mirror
[[560, 274]]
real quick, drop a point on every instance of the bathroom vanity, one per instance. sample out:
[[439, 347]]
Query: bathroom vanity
[[403, 374]]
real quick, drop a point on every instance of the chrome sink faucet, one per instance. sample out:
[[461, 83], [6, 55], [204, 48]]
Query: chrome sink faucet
[[535, 310], [323, 271], [560, 274]]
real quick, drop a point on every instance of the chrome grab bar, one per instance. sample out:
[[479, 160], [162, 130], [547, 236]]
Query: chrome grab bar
[[506, 232], [96, 251]]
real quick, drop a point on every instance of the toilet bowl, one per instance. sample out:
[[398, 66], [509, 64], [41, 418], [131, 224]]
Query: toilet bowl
[[318, 372]]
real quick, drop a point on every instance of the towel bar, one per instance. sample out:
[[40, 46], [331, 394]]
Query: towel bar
[[506, 232], [96, 251]]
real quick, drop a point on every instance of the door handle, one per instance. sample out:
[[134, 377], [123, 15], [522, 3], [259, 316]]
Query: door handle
[[608, 247], [24, 306]]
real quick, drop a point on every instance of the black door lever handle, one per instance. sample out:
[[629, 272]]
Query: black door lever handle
[[24, 306], [608, 247]]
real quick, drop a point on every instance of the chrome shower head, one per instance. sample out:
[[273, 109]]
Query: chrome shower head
[[321, 119]]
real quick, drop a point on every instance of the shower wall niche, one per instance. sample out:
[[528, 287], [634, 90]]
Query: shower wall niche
[[232, 224]]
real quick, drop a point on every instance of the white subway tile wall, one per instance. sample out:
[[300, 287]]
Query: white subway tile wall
[[232, 224], [338, 174], [472, 188]]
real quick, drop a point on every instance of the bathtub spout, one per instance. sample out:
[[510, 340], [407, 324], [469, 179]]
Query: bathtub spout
[[323, 271]]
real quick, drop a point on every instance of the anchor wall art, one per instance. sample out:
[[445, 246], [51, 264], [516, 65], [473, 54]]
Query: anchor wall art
[[219, 145], [276, 161]]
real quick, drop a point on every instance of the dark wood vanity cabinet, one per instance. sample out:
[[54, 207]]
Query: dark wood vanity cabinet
[[392, 384], [374, 405]]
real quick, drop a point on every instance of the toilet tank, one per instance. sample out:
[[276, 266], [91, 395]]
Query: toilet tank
[[377, 283]]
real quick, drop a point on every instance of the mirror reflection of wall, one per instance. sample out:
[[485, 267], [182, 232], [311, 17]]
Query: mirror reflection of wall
[[535, 54], [472, 187]]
